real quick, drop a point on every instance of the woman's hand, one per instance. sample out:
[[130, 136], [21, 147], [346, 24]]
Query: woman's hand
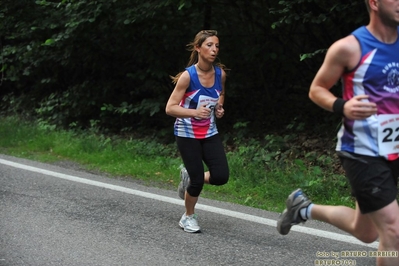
[[219, 111], [203, 112]]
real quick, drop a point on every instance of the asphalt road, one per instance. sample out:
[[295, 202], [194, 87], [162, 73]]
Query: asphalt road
[[60, 215]]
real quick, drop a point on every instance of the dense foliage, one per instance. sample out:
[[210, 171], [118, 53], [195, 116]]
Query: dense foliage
[[106, 64]]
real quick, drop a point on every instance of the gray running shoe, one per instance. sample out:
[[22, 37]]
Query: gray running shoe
[[290, 216], [190, 223], [185, 180]]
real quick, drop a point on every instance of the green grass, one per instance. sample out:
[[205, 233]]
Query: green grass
[[259, 177]]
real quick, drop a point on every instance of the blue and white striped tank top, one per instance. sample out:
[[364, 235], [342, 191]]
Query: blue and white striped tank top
[[197, 95]]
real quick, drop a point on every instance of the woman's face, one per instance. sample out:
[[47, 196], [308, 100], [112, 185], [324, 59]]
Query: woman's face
[[209, 49]]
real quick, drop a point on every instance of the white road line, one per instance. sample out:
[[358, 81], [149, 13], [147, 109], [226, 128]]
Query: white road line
[[239, 215]]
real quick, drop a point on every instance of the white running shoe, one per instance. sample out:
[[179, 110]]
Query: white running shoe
[[189, 223], [185, 180]]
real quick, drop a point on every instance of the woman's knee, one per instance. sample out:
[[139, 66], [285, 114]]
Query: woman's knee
[[219, 178], [194, 189]]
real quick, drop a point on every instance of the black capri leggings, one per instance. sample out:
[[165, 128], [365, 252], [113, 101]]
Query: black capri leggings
[[210, 151]]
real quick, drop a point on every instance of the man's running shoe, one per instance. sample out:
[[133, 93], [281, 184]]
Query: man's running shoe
[[290, 216], [184, 181], [189, 223]]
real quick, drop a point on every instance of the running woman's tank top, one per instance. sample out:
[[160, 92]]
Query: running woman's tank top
[[197, 95], [377, 75]]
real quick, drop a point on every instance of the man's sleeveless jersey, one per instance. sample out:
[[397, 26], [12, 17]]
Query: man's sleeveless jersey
[[377, 75], [197, 95]]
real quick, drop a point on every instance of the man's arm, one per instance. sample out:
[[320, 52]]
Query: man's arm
[[342, 55]]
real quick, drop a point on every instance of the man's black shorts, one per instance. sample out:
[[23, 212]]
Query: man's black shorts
[[373, 180]]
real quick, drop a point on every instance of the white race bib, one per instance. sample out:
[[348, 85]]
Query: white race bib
[[208, 101], [388, 134]]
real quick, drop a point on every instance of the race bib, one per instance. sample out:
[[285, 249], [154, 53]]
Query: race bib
[[208, 101], [388, 134]]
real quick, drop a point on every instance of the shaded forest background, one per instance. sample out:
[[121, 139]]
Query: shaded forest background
[[105, 65]]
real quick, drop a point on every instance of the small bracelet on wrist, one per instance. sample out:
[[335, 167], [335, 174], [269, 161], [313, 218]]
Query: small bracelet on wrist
[[338, 106]]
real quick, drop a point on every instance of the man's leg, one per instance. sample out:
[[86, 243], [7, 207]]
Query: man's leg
[[386, 221], [383, 223], [347, 219]]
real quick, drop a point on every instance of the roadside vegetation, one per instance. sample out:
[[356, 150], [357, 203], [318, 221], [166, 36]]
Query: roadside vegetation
[[87, 82], [263, 172]]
